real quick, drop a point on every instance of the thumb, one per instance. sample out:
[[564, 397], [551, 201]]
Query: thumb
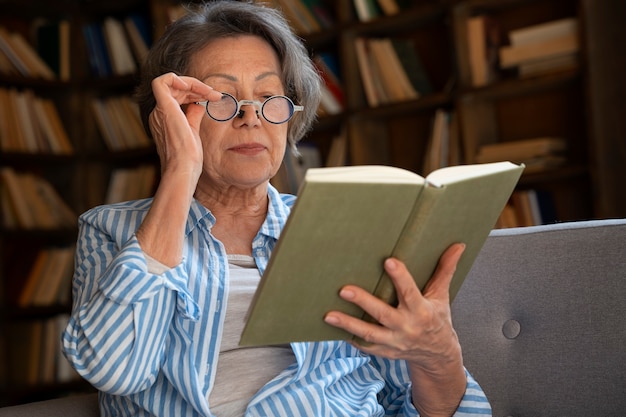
[[439, 284]]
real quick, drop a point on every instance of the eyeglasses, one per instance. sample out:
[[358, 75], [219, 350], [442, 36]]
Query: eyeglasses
[[275, 109]]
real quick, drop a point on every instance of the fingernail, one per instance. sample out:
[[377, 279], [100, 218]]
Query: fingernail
[[346, 294], [331, 319], [390, 264]]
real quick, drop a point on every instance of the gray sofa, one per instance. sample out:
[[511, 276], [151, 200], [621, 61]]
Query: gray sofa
[[541, 318]]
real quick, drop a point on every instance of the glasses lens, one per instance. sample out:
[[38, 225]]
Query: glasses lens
[[277, 109], [222, 110]]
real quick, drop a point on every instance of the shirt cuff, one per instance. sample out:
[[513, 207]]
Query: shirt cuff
[[128, 280]]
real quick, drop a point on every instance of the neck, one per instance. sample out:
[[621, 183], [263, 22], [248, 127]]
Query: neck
[[239, 214]]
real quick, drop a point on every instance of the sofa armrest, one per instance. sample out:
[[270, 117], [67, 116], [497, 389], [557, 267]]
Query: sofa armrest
[[541, 319], [72, 406]]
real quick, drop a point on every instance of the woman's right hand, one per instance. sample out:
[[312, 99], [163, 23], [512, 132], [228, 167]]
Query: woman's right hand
[[175, 124]]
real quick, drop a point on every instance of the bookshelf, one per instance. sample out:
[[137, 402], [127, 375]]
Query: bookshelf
[[52, 176], [556, 98], [580, 103]]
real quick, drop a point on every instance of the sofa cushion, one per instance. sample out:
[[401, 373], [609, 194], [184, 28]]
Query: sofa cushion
[[542, 319], [73, 406]]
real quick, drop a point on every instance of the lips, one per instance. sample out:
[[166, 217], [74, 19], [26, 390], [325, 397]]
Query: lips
[[248, 148]]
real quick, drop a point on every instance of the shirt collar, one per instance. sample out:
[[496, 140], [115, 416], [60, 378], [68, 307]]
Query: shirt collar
[[279, 207]]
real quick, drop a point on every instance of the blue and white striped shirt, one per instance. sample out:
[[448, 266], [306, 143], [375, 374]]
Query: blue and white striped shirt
[[149, 343]]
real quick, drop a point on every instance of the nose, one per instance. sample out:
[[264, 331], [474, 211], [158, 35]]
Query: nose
[[242, 112]]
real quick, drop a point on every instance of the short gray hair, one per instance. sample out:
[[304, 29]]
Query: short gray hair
[[220, 19]]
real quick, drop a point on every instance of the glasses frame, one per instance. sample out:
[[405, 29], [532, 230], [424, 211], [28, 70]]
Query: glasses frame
[[259, 105]]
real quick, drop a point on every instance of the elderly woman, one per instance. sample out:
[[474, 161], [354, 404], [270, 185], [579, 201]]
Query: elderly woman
[[161, 285]]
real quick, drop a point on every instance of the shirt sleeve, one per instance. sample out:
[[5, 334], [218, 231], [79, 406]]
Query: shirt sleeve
[[396, 397], [121, 313]]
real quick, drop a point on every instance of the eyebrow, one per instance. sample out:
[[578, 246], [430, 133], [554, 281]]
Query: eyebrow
[[233, 78]]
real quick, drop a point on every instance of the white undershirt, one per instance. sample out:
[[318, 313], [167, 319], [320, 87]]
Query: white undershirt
[[241, 372]]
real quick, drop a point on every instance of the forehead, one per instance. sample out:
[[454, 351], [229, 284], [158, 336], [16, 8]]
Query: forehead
[[234, 55]]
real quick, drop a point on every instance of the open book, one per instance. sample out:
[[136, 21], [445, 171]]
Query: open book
[[348, 220]]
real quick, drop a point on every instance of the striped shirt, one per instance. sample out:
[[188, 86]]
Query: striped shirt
[[149, 343]]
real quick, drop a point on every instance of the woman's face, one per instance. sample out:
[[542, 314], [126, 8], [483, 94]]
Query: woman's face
[[244, 151]]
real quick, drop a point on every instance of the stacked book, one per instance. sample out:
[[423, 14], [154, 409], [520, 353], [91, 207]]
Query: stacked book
[[538, 154], [546, 47]]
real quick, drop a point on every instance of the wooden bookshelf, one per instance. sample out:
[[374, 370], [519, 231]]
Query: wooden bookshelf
[[80, 178], [581, 104]]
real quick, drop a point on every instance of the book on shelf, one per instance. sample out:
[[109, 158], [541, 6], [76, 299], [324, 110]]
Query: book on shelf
[[35, 351], [548, 65], [384, 76], [534, 35], [118, 47], [300, 17], [443, 146], [322, 12], [367, 10], [53, 45], [11, 56], [119, 123], [542, 48], [97, 53], [522, 149], [389, 7], [24, 56], [477, 50], [412, 64], [537, 154], [511, 56], [338, 152], [393, 76], [528, 208], [138, 30], [291, 173], [131, 183], [484, 37], [24, 347], [34, 202], [372, 86], [6, 66], [31, 124], [333, 97], [348, 220], [541, 32], [49, 279]]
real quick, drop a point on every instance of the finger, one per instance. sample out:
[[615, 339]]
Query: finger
[[369, 332], [406, 289], [439, 285], [183, 89], [376, 308]]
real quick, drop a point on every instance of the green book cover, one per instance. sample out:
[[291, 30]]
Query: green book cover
[[348, 220]]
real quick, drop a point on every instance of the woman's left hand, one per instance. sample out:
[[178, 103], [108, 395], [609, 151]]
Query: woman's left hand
[[419, 330]]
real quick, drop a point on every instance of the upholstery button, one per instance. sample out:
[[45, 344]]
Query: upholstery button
[[511, 329]]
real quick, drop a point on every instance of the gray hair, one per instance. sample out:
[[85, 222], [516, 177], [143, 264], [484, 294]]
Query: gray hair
[[220, 19]]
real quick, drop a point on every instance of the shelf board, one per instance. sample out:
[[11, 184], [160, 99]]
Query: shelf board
[[522, 86], [424, 103]]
